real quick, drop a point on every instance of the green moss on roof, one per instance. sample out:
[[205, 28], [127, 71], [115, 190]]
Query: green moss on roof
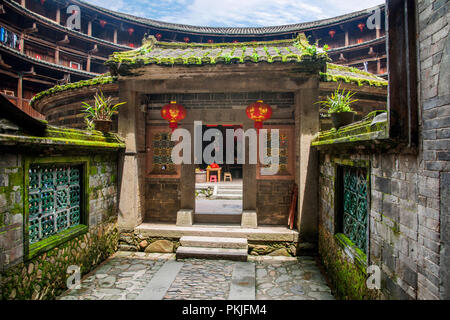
[[65, 137], [356, 132], [177, 53], [336, 73], [103, 79]]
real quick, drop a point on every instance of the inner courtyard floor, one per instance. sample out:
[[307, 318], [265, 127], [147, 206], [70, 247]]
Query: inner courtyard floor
[[154, 276]]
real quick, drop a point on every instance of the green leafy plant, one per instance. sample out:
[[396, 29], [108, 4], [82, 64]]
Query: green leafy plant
[[339, 101], [89, 123], [103, 109]]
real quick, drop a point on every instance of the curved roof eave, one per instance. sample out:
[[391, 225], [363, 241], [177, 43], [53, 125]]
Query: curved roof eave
[[231, 31]]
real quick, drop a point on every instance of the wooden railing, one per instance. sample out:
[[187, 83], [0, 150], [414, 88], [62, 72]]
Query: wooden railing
[[25, 107]]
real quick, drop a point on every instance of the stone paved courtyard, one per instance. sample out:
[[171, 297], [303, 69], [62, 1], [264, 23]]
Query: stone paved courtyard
[[128, 275]]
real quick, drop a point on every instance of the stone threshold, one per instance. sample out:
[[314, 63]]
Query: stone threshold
[[262, 233]]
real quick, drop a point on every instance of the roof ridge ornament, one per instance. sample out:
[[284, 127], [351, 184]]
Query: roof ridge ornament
[[149, 41]]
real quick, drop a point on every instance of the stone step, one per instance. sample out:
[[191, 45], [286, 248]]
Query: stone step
[[214, 242], [230, 188], [217, 218], [229, 191], [229, 195], [212, 253]]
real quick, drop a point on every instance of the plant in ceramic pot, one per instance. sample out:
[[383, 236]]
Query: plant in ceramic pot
[[101, 112], [339, 107]]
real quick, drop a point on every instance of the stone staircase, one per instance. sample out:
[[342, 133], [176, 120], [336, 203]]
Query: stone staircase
[[217, 248], [228, 192]]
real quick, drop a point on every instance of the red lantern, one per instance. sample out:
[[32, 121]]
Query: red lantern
[[332, 33], [131, 45], [103, 23], [158, 36], [210, 41], [186, 39], [173, 112], [259, 112], [361, 26], [42, 2], [130, 31]]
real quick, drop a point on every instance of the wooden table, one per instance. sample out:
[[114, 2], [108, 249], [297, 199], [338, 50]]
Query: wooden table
[[208, 170]]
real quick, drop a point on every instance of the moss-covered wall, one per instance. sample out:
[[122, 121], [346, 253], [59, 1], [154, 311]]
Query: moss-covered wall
[[403, 226], [347, 278], [44, 275]]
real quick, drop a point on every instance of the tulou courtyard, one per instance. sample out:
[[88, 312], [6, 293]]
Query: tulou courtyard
[[265, 168]]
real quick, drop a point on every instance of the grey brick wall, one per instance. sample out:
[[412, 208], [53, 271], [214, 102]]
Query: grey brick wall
[[273, 201], [162, 200], [409, 215], [433, 239]]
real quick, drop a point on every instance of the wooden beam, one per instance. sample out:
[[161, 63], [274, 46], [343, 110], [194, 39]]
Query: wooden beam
[[115, 36], [32, 29], [402, 66], [89, 30], [58, 15], [57, 55], [20, 91], [88, 64]]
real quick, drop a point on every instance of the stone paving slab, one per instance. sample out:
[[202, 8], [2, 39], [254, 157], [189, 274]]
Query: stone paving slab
[[125, 275]]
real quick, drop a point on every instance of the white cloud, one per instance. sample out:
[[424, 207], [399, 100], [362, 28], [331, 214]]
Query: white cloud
[[237, 13]]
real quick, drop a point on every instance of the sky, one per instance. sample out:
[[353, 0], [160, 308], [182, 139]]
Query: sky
[[236, 13]]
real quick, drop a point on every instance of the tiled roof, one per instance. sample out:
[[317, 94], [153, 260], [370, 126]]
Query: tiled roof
[[351, 75], [241, 31], [171, 53]]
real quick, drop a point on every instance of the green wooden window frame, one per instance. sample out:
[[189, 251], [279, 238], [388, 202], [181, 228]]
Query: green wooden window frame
[[33, 249], [353, 237]]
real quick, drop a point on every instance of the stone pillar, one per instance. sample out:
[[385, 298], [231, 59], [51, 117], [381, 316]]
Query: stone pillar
[[248, 177], [187, 178], [131, 165], [307, 126]]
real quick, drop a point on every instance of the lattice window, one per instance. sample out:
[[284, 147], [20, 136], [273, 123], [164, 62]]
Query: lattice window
[[355, 205], [161, 154], [54, 198], [286, 152]]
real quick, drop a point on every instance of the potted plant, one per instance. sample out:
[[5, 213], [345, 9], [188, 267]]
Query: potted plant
[[101, 112], [338, 105]]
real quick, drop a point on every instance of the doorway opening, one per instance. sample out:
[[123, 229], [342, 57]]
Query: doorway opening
[[219, 186]]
